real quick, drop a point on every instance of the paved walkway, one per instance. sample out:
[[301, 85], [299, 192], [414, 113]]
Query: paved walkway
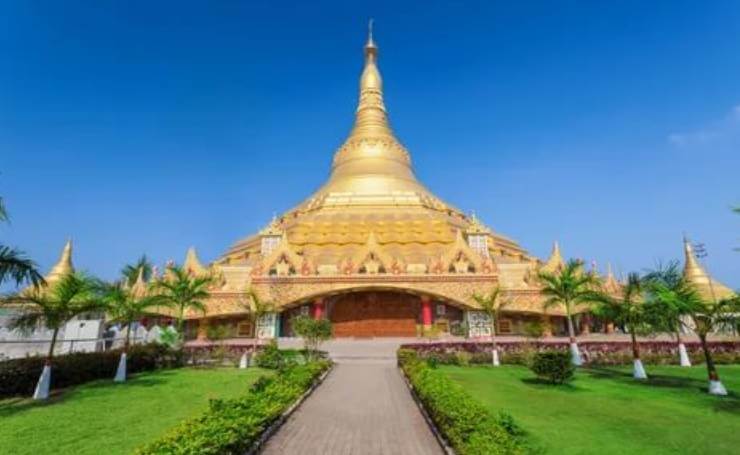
[[363, 407]]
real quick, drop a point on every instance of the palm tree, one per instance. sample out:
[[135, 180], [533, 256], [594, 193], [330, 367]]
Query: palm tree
[[706, 316], [663, 315], [131, 271], [181, 291], [126, 304], [257, 308], [14, 265], [568, 287], [72, 295], [627, 310], [492, 304]]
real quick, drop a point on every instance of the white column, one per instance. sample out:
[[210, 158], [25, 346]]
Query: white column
[[42, 387]]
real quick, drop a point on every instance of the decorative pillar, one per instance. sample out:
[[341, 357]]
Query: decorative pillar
[[546, 326], [426, 312], [202, 329], [317, 308]]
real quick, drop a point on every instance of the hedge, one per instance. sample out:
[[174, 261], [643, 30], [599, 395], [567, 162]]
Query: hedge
[[233, 426], [466, 424], [592, 352], [18, 377]]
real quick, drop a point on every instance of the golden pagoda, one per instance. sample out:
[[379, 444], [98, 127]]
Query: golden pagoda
[[375, 251], [695, 274]]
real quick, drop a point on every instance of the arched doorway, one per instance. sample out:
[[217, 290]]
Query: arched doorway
[[374, 314]]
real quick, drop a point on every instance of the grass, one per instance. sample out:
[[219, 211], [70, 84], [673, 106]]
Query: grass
[[103, 417], [605, 411]]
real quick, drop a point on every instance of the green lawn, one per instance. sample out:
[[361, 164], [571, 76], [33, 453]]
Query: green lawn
[[605, 411], [103, 417]]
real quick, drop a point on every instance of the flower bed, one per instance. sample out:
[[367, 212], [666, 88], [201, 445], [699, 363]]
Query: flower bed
[[235, 425], [19, 376], [593, 352], [465, 423]]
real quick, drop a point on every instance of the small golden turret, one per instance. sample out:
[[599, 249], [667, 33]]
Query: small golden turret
[[695, 274], [555, 262], [192, 264]]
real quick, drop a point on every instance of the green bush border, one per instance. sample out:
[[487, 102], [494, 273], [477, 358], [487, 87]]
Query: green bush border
[[18, 377], [464, 422], [235, 426]]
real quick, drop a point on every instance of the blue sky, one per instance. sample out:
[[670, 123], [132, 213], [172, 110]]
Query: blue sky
[[151, 126]]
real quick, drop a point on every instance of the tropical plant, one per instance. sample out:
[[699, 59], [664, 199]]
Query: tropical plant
[[14, 265], [257, 309], [54, 306], [706, 317], [131, 271], [627, 310], [568, 287], [492, 304], [181, 292], [662, 314], [313, 331], [125, 304]]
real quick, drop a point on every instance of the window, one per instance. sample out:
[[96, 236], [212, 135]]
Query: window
[[244, 329], [269, 243], [441, 309], [479, 244]]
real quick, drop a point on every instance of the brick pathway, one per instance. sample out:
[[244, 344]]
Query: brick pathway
[[363, 407]]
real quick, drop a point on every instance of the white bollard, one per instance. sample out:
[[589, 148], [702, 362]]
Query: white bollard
[[575, 355], [716, 388], [42, 387], [495, 358], [121, 371], [638, 371], [683, 355], [243, 361]]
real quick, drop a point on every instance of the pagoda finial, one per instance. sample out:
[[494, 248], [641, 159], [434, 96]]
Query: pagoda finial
[[370, 41], [192, 264]]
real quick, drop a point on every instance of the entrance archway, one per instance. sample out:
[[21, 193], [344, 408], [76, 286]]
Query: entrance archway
[[374, 314]]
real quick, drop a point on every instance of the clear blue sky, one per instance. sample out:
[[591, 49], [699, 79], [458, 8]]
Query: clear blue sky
[[144, 126]]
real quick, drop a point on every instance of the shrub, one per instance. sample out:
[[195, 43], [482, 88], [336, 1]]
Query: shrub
[[313, 332], [19, 376], [273, 358], [233, 426], [555, 367], [468, 426]]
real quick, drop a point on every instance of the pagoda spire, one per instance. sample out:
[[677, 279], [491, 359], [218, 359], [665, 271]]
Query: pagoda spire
[[63, 266], [371, 118], [555, 261]]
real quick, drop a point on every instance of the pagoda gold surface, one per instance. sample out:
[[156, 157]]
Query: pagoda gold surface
[[373, 226]]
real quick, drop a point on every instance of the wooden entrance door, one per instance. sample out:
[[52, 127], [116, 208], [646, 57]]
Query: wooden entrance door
[[375, 314]]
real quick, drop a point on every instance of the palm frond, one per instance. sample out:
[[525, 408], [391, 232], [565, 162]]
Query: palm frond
[[3, 211], [15, 266]]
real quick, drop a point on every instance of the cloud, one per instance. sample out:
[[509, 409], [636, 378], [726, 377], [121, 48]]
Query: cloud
[[726, 128]]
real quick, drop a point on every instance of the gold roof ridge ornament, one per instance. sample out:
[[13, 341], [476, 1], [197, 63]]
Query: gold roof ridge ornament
[[695, 274]]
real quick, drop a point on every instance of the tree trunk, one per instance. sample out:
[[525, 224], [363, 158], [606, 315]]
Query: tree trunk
[[683, 356], [494, 349], [128, 337], [44, 383], [715, 385], [574, 352], [50, 354], [638, 371]]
